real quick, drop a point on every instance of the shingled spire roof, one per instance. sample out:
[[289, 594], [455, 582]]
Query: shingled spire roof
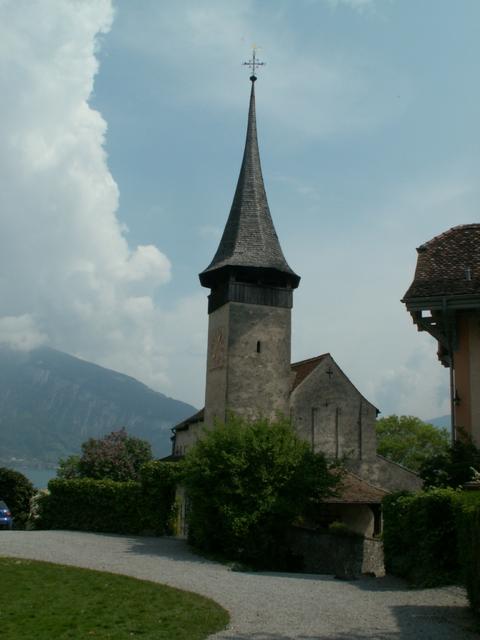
[[249, 239]]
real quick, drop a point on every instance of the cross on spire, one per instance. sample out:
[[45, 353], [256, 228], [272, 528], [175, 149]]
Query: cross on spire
[[253, 63]]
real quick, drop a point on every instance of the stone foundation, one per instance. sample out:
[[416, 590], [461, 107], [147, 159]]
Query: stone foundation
[[343, 556]]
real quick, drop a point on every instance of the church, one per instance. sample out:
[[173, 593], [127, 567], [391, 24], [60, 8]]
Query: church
[[249, 368]]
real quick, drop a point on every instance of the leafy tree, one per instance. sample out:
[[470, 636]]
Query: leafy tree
[[69, 468], [17, 491], [453, 467], [409, 441], [116, 456], [246, 483]]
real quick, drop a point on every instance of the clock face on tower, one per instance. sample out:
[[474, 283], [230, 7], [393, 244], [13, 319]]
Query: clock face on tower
[[217, 349]]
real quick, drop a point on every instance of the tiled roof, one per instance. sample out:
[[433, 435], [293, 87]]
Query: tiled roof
[[304, 368], [353, 489], [249, 238], [448, 265]]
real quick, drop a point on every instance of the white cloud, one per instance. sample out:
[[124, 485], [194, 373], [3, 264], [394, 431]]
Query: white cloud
[[20, 333], [419, 385], [67, 274]]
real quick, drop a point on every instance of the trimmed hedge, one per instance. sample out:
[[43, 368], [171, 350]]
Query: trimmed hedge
[[432, 538], [85, 504], [108, 506], [158, 482], [420, 537], [468, 519]]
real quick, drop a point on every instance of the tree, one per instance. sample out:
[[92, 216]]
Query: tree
[[246, 483], [409, 441], [69, 468], [453, 467], [17, 491], [116, 456]]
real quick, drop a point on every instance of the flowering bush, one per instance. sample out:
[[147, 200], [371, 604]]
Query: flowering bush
[[116, 456]]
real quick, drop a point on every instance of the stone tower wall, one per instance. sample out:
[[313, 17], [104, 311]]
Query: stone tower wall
[[248, 362]]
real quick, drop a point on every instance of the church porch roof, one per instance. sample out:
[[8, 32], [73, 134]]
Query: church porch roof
[[355, 490]]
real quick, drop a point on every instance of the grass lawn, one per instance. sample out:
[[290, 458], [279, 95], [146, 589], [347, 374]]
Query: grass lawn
[[43, 601]]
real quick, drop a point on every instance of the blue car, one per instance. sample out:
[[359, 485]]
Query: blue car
[[6, 520]]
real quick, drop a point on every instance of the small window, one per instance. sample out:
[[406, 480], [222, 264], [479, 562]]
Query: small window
[[259, 346]]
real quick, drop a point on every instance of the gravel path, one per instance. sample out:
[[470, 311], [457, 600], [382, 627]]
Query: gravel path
[[263, 606]]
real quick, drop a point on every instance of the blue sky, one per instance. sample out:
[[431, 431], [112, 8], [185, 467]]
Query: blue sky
[[120, 168]]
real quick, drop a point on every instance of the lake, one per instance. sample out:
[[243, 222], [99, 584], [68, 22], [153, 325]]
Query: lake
[[38, 477]]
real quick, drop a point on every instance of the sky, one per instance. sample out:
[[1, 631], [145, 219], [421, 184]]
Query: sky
[[122, 127]]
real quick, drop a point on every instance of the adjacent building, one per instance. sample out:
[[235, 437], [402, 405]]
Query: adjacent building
[[444, 300]]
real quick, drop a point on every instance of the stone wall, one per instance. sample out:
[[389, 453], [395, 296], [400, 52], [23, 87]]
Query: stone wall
[[331, 414], [386, 474], [342, 556], [217, 362], [186, 438], [248, 362], [259, 360]]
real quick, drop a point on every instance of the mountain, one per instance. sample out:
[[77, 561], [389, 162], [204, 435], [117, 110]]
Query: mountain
[[51, 402], [442, 421]]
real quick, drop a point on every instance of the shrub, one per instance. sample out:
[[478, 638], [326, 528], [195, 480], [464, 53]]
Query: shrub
[[454, 467], [246, 483], [69, 468], [420, 537], [88, 504], [409, 441], [468, 519], [158, 485], [16, 490], [116, 456], [85, 504]]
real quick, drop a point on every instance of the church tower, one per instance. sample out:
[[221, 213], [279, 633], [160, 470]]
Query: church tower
[[249, 306]]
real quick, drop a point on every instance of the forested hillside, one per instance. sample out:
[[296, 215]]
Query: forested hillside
[[50, 402]]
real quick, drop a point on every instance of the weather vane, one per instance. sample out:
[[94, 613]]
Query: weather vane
[[254, 63]]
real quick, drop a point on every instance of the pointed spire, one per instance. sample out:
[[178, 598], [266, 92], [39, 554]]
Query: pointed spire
[[249, 239]]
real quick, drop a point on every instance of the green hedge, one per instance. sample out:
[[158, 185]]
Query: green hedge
[[420, 536], [432, 538], [158, 482], [85, 504], [468, 519]]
